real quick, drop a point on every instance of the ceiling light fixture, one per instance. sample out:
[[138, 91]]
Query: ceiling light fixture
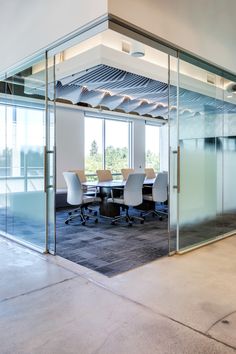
[[137, 50]]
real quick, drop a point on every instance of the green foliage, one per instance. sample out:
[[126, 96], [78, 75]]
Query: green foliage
[[152, 160], [94, 148], [116, 159]]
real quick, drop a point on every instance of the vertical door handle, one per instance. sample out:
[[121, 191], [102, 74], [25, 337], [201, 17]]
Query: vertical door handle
[[177, 152], [45, 168], [178, 169]]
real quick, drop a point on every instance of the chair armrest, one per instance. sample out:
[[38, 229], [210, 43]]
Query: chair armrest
[[90, 188], [116, 188]]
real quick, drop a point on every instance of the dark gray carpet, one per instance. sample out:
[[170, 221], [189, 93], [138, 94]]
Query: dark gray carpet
[[111, 249]]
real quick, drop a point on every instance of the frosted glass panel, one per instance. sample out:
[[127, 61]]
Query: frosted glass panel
[[3, 169], [22, 141], [173, 146], [207, 137], [25, 179]]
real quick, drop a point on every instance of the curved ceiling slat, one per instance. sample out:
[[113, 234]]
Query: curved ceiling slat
[[71, 93], [92, 97], [118, 89], [111, 102], [129, 105]]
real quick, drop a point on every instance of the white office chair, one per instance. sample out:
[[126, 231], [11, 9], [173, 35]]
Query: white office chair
[[88, 191], [126, 172], [132, 196], [76, 197], [159, 194]]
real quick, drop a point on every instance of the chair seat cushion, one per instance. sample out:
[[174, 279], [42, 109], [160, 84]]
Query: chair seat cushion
[[88, 199], [147, 197], [116, 200]]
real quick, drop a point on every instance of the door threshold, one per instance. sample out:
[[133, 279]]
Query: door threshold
[[22, 243], [216, 239]]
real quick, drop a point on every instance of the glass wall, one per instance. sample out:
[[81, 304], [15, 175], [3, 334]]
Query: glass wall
[[207, 108], [22, 155], [105, 72]]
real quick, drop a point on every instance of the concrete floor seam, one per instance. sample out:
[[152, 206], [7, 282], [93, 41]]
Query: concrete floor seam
[[221, 319], [100, 285], [36, 290], [149, 309]]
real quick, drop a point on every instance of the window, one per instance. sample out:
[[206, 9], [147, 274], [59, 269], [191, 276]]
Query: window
[[107, 145], [152, 153]]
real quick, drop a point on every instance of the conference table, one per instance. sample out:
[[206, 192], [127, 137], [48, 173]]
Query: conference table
[[104, 191]]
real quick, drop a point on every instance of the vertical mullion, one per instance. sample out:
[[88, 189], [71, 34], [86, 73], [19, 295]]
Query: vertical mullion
[[45, 154], [130, 162], [104, 144]]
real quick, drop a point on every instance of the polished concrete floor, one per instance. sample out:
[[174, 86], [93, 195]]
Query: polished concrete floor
[[181, 304]]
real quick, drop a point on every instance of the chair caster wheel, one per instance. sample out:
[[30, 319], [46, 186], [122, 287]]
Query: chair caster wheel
[[67, 222], [83, 223], [142, 222], [96, 221]]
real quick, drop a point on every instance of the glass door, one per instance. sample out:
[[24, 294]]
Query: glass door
[[24, 161], [206, 109], [173, 153]]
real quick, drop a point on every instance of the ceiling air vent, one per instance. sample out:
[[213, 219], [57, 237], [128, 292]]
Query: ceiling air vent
[[211, 79], [126, 47]]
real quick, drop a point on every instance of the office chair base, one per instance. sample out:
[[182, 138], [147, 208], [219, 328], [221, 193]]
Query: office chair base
[[158, 213], [78, 213], [129, 219]]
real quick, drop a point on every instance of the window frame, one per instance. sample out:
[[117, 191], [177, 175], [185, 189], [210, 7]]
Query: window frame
[[130, 140]]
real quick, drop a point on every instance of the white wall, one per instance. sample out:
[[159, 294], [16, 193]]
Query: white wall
[[69, 141], [28, 26], [138, 145], [205, 28], [164, 148]]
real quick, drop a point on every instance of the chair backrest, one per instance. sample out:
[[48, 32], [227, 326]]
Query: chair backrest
[[74, 188], [125, 172], [104, 175], [81, 175], [150, 173], [133, 189], [159, 188]]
